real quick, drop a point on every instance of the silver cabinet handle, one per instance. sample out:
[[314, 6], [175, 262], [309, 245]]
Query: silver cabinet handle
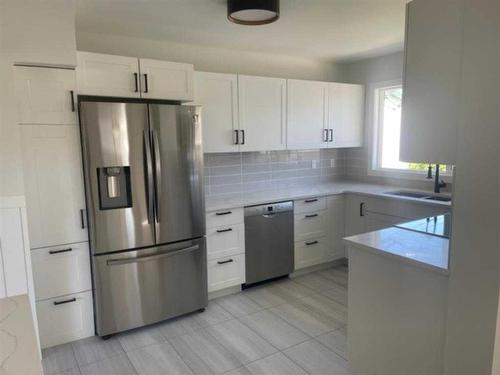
[[120, 261]]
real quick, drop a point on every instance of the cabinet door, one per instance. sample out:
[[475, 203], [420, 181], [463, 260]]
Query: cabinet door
[[307, 108], [309, 253], [225, 272], [354, 219], [262, 113], [432, 81], [346, 114], [218, 96], [54, 184], [65, 319], [225, 241], [61, 270], [166, 80], [45, 96], [107, 75], [336, 227]]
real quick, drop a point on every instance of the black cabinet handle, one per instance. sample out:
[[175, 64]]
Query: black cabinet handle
[[325, 135], [361, 209], [237, 138], [310, 200], [225, 261], [242, 137], [146, 86], [311, 243], [72, 94], [224, 230], [136, 80], [312, 215], [52, 252], [223, 213], [331, 135], [82, 218], [65, 301]]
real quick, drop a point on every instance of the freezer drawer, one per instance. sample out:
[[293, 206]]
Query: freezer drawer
[[141, 287]]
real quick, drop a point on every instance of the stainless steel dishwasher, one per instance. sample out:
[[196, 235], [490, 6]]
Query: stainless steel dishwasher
[[268, 241]]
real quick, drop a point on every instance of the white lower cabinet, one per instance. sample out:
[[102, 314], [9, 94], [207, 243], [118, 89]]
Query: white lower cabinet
[[336, 227], [310, 225], [61, 270], [225, 241], [226, 272], [310, 253], [65, 319]]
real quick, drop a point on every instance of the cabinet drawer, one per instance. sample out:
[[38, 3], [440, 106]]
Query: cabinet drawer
[[225, 241], [226, 272], [224, 217], [309, 205], [65, 319], [310, 225], [309, 253], [61, 270]]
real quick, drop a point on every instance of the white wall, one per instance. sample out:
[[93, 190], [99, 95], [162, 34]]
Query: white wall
[[377, 69], [211, 59], [31, 31], [475, 256]]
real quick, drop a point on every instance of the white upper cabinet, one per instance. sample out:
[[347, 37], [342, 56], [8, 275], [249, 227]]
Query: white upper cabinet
[[54, 184], [262, 113], [166, 80], [45, 96], [345, 114], [107, 75], [218, 96], [307, 115], [431, 81]]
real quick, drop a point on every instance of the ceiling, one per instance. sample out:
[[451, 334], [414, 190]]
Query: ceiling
[[329, 30]]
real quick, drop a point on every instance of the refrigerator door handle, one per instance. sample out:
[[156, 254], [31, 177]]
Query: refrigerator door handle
[[117, 262], [156, 149], [149, 176]]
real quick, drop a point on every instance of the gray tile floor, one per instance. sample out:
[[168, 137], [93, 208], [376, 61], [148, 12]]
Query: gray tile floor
[[286, 327]]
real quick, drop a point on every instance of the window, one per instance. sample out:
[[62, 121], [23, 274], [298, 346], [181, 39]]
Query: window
[[387, 130]]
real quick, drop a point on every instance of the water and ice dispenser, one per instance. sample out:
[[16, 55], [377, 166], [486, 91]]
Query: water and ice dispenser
[[114, 187]]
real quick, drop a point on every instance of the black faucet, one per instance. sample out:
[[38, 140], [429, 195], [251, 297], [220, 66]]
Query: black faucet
[[438, 183]]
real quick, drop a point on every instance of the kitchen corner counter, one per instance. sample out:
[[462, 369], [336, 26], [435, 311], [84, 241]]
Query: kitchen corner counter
[[419, 249], [19, 353], [241, 199]]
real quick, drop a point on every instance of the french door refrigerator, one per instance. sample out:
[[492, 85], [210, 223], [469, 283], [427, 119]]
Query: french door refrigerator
[[143, 166]]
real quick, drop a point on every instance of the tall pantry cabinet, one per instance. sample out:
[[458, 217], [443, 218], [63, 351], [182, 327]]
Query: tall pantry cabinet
[[55, 203]]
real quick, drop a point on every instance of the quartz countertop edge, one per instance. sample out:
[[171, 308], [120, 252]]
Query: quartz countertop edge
[[242, 199], [419, 249], [19, 353]]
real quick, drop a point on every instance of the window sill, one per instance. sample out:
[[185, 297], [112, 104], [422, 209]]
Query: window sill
[[407, 175]]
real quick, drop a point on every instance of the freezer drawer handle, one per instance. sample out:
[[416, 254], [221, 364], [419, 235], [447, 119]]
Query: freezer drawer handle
[[65, 301], [225, 261], [223, 213], [311, 243], [310, 216], [224, 230], [117, 262], [311, 200], [52, 252]]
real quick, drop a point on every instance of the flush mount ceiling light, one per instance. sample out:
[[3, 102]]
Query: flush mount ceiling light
[[253, 12]]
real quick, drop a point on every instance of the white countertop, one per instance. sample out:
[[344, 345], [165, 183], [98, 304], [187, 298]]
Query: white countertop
[[225, 201], [419, 249], [19, 352]]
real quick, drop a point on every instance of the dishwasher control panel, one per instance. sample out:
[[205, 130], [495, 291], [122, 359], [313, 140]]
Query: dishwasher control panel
[[267, 209]]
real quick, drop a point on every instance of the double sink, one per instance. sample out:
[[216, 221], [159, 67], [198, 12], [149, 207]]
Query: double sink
[[419, 195]]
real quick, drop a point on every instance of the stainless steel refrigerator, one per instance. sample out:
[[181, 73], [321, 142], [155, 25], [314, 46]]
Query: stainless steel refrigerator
[[143, 165]]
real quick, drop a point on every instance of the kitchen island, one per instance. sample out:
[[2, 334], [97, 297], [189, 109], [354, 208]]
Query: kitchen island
[[398, 280]]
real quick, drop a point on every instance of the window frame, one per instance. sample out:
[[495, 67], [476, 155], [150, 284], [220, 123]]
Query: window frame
[[374, 122]]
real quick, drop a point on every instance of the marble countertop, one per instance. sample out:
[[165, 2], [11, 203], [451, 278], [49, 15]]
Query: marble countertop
[[225, 201], [19, 353], [419, 249]]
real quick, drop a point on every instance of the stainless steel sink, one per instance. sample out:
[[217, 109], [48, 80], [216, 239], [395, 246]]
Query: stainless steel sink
[[419, 195]]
